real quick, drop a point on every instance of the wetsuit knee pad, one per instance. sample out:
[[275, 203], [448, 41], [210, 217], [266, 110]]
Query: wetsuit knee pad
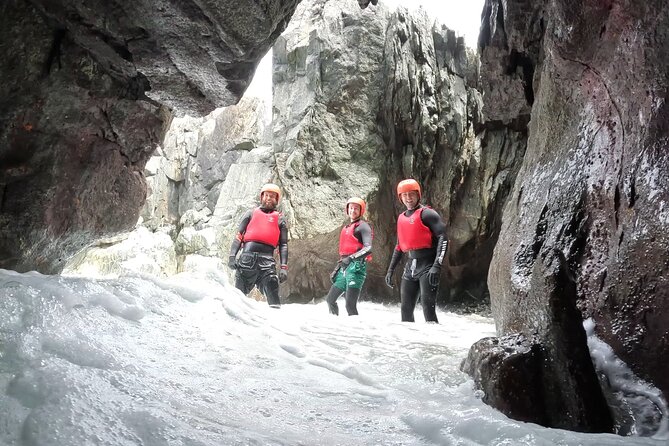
[[271, 281]]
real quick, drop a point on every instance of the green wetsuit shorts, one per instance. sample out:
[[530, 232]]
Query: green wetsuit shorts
[[353, 276]]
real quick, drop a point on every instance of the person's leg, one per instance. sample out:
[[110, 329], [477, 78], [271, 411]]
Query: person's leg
[[247, 272], [332, 297], [245, 280], [356, 273], [409, 290], [352, 295], [428, 297], [268, 281], [339, 284]]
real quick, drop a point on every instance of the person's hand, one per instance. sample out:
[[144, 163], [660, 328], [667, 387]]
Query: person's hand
[[333, 274], [433, 276], [389, 279], [345, 261], [232, 262], [283, 275]]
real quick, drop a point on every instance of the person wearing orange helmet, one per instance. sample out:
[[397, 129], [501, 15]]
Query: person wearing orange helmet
[[261, 231], [355, 249], [421, 233]]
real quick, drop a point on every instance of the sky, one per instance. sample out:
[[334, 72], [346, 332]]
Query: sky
[[140, 360], [464, 17]]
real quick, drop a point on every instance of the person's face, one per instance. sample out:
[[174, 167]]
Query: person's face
[[354, 211], [269, 200], [410, 199]]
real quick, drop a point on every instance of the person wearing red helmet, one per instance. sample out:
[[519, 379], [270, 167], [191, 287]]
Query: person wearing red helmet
[[421, 233], [261, 231], [355, 249]]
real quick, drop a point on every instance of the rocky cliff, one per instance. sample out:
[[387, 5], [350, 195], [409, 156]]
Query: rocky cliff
[[548, 161], [403, 104], [88, 91], [584, 232]]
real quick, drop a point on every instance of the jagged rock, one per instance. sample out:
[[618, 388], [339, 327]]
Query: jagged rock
[[435, 131], [427, 115], [591, 193], [326, 142], [202, 264], [82, 87], [192, 241], [140, 251], [508, 370], [325, 100], [196, 156], [195, 219]]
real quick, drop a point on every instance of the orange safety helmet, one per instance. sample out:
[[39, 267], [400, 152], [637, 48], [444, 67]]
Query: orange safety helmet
[[407, 186], [359, 201], [270, 187]]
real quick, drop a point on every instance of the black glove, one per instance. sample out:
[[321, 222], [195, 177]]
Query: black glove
[[345, 261], [389, 279], [333, 274], [433, 276], [232, 262], [283, 275]]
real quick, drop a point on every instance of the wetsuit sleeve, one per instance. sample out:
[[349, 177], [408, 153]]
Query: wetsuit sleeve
[[363, 232], [283, 243], [433, 220], [395, 259], [237, 242]]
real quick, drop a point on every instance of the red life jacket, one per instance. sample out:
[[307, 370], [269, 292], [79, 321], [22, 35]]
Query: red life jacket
[[412, 233], [263, 227], [349, 243]]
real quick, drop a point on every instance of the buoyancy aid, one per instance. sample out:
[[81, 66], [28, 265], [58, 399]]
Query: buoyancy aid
[[263, 228], [349, 243], [412, 232]]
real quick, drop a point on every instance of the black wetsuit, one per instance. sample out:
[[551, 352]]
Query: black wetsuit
[[421, 264], [256, 265], [363, 232]]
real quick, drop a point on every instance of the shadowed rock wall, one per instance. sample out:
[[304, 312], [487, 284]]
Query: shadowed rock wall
[[584, 232], [82, 87]]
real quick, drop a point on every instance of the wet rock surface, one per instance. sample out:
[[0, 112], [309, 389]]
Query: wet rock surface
[[591, 195], [88, 91]]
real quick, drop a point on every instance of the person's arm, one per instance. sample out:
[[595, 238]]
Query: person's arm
[[394, 260], [237, 242], [283, 243], [363, 232], [283, 249], [433, 220]]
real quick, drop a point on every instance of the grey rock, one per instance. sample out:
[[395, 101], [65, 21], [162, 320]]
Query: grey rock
[[585, 220], [88, 93]]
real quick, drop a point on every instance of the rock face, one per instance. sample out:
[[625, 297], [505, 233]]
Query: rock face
[[511, 371], [81, 112], [403, 104], [206, 175], [434, 131], [326, 141], [585, 229]]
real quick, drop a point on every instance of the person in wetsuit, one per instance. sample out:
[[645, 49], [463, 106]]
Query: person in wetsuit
[[355, 248], [421, 233], [261, 231]]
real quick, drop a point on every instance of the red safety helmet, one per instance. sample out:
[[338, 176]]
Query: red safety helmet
[[270, 187], [407, 186], [358, 201]]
